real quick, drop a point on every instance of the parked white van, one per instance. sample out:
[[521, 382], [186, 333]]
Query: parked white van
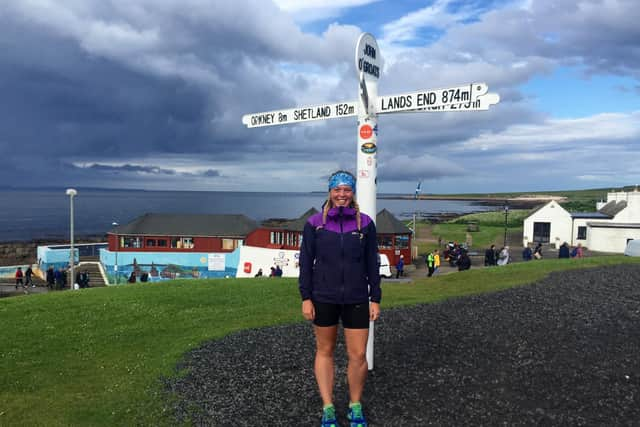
[[385, 269], [633, 248]]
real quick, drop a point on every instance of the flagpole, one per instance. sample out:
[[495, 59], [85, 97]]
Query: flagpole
[[415, 229]]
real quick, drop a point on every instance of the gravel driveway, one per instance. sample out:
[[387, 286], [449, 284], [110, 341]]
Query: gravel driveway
[[563, 351]]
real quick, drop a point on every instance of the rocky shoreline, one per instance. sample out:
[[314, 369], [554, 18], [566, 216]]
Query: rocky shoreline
[[26, 252]]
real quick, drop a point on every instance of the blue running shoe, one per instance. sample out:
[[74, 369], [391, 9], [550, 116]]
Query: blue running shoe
[[355, 415], [329, 417]]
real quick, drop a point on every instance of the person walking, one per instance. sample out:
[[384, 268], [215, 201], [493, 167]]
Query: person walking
[[338, 276], [400, 267], [19, 276], [28, 274], [527, 253], [431, 264]]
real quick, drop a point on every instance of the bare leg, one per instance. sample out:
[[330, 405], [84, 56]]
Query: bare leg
[[325, 345], [356, 340]]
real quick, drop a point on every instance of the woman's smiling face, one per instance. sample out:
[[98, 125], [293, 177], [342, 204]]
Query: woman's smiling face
[[342, 195]]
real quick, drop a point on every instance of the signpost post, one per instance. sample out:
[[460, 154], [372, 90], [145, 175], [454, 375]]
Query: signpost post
[[468, 97]]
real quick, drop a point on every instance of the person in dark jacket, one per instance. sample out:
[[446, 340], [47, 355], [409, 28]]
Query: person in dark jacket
[[490, 256], [537, 252], [464, 262], [50, 278], [338, 276], [563, 252], [527, 253], [28, 277], [59, 278]]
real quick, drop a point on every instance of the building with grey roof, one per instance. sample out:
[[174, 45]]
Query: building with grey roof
[[616, 221]]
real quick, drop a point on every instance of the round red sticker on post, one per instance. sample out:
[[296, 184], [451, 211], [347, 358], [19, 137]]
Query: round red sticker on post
[[366, 131]]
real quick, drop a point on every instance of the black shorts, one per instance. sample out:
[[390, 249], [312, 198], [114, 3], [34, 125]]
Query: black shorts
[[354, 316]]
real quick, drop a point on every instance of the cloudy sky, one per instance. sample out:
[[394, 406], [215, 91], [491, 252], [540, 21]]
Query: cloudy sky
[[150, 93]]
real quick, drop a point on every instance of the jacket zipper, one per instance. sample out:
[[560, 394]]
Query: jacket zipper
[[341, 255]]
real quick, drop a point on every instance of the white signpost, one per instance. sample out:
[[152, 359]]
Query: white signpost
[[469, 97]]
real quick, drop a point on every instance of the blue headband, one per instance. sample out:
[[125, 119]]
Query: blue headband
[[342, 178]]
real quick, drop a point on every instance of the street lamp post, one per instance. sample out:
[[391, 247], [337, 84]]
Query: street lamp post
[[415, 230], [506, 216], [71, 192], [115, 266]]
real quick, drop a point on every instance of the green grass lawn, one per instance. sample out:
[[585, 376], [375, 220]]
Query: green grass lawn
[[96, 356], [490, 224]]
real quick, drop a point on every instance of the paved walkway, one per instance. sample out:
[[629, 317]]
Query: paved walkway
[[7, 290]]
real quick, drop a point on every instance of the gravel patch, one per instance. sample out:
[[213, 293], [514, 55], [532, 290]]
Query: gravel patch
[[563, 351]]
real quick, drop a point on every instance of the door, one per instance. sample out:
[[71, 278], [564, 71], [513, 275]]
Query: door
[[541, 232]]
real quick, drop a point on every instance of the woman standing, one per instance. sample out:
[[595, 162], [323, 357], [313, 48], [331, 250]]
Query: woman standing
[[338, 275]]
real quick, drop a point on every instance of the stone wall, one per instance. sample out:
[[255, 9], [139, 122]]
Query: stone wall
[[17, 253], [14, 253]]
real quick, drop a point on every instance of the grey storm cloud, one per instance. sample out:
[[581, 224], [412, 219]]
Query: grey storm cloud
[[117, 80], [120, 83], [129, 169], [137, 169]]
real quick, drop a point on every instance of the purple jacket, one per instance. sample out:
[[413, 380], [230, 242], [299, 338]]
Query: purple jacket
[[338, 264]]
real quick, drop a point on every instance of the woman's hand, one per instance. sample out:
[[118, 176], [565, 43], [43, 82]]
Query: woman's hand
[[308, 310], [374, 311]]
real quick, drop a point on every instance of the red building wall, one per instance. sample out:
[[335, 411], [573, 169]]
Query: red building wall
[[258, 238], [200, 244]]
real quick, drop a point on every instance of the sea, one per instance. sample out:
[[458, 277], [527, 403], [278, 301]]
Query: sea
[[32, 214]]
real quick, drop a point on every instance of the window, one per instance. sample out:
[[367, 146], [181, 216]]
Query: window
[[292, 239], [582, 233], [402, 241], [131, 242], [230, 244], [162, 243], [150, 243], [385, 242], [276, 238], [182, 242]]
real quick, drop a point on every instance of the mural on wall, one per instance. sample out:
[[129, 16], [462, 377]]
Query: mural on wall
[[158, 266], [9, 272]]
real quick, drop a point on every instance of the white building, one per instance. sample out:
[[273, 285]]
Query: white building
[[608, 230]]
